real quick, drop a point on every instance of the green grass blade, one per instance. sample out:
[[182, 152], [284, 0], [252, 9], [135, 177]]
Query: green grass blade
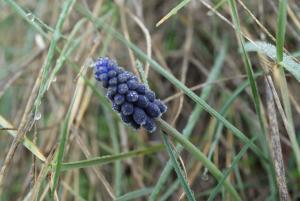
[[170, 190], [173, 11], [250, 74], [280, 34], [116, 148], [62, 142], [281, 79], [226, 174], [55, 38], [69, 47], [198, 155], [182, 179], [27, 16], [134, 194], [223, 111], [110, 158], [173, 160], [193, 119]]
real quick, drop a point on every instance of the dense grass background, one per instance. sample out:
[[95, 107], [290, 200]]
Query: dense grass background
[[228, 71]]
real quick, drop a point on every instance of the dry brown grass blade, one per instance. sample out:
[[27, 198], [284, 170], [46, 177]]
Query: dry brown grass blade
[[140, 23], [124, 26], [13, 76], [185, 63], [43, 173], [24, 127], [275, 144]]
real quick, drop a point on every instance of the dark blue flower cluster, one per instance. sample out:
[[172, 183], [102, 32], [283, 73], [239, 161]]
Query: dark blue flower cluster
[[136, 104]]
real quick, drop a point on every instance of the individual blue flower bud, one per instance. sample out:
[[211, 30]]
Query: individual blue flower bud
[[113, 81], [150, 125], [105, 84], [100, 70], [134, 125], [139, 116], [119, 99], [122, 88], [112, 64], [132, 84], [132, 96], [112, 73], [142, 101], [119, 70], [126, 118], [150, 95], [141, 89], [153, 110], [162, 107], [103, 77], [111, 91], [123, 77], [102, 61], [127, 108]]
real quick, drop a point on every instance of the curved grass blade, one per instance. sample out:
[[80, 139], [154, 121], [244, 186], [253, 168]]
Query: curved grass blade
[[182, 179], [62, 142], [226, 174], [198, 155], [110, 158], [173, 12], [134, 194], [193, 119], [26, 142]]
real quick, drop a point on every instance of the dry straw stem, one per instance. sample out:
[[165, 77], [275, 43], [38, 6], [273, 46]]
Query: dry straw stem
[[145, 31], [13, 76], [24, 127], [33, 194], [275, 144], [187, 48]]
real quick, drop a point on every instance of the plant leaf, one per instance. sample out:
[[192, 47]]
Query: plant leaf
[[270, 50]]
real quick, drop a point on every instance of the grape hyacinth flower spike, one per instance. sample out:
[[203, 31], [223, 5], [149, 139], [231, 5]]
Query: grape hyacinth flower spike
[[135, 102]]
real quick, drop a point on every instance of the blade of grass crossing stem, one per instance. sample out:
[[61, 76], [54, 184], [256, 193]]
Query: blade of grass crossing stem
[[223, 111], [170, 191], [193, 118], [173, 12], [134, 194], [226, 174], [110, 158], [67, 50], [194, 151], [180, 175], [27, 16], [256, 98], [172, 79], [250, 75], [26, 142], [281, 79], [55, 38], [173, 161], [116, 148], [280, 34], [218, 132], [62, 142]]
